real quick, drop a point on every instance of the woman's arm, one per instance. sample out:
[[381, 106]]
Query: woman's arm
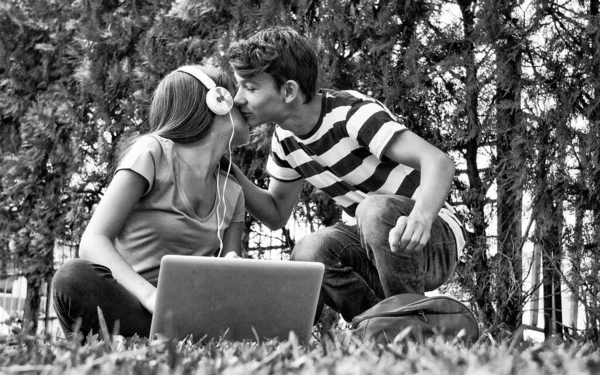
[[232, 240], [97, 242]]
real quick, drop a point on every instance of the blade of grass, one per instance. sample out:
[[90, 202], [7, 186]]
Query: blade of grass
[[104, 328]]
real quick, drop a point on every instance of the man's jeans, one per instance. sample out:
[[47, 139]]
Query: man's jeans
[[361, 270], [81, 287]]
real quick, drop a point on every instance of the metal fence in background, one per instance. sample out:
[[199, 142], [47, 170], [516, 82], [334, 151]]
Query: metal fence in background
[[13, 291]]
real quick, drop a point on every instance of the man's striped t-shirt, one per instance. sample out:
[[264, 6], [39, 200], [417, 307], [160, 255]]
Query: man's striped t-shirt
[[343, 155]]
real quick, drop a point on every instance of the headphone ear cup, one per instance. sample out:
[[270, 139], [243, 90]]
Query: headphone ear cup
[[219, 100]]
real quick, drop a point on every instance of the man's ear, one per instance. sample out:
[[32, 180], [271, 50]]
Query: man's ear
[[291, 90]]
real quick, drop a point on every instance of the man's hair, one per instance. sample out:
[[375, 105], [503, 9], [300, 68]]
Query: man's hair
[[282, 53]]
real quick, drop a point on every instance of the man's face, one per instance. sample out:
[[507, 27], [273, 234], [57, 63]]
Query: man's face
[[259, 99]]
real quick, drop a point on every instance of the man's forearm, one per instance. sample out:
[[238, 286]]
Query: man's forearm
[[259, 202], [436, 182]]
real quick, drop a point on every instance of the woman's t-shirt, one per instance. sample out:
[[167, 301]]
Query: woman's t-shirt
[[163, 221]]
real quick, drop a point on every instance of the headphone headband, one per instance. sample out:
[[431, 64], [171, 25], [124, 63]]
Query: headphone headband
[[218, 99], [199, 75]]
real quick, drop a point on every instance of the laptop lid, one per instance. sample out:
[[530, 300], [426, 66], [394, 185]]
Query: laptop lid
[[235, 299]]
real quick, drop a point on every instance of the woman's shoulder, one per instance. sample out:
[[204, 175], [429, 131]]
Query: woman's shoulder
[[145, 149], [151, 143]]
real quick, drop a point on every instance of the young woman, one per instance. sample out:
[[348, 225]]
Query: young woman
[[167, 196]]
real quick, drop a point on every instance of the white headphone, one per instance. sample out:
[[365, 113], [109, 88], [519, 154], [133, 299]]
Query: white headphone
[[218, 99]]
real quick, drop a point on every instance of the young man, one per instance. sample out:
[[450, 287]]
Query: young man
[[351, 147]]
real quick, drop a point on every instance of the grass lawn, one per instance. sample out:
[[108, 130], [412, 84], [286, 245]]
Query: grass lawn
[[336, 352]]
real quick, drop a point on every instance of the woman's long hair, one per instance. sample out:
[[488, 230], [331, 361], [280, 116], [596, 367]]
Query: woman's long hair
[[178, 109]]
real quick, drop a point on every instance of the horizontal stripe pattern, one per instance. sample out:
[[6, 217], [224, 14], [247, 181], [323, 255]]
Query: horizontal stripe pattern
[[342, 155]]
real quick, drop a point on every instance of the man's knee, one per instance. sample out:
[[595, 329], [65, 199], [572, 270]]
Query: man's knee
[[371, 206], [307, 249], [314, 247], [376, 215], [376, 207]]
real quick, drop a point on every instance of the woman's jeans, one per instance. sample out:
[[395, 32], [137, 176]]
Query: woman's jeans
[[81, 287], [361, 270]]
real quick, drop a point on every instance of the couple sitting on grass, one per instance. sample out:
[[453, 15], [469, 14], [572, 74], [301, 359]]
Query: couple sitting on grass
[[168, 193]]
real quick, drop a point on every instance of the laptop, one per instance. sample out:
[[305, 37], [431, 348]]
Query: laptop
[[235, 299]]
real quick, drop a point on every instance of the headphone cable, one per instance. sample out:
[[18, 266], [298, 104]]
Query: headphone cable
[[220, 223]]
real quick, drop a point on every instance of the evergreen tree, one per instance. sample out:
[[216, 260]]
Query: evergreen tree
[[77, 77], [38, 147]]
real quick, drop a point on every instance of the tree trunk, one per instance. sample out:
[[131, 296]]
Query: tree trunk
[[549, 214], [535, 283], [508, 170], [33, 300], [551, 217], [576, 250], [36, 282], [475, 202], [594, 166], [574, 253]]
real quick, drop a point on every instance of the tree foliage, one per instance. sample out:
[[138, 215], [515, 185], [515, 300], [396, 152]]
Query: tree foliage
[[510, 89]]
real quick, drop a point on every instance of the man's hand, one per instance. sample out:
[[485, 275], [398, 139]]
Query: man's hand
[[409, 234], [231, 254]]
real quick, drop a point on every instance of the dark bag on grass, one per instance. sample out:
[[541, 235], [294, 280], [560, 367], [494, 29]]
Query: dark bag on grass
[[426, 316]]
